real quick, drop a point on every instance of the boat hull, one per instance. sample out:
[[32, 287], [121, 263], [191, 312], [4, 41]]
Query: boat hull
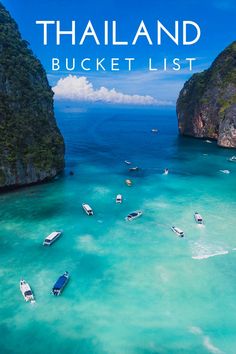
[[60, 284], [179, 233], [45, 243], [131, 217], [26, 291], [88, 210]]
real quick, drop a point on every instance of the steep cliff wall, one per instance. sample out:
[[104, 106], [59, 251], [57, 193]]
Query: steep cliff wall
[[31, 145], [206, 106]]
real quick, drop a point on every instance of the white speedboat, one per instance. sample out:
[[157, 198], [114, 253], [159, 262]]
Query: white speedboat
[[26, 291], [88, 210], [178, 231], [134, 215], [208, 141], [128, 182], [119, 198], [226, 172], [136, 168], [198, 218], [127, 162], [232, 159], [52, 238], [154, 130], [166, 171]]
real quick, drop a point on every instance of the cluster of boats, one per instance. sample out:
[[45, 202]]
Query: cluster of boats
[[199, 220], [56, 289], [128, 182], [64, 278], [53, 236]]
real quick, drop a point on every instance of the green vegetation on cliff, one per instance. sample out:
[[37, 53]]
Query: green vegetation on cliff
[[206, 104], [31, 146]]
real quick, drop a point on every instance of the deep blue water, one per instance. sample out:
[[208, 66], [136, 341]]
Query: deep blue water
[[135, 288]]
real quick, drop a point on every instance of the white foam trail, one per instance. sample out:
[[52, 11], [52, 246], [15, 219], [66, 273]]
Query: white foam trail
[[206, 341], [208, 345], [195, 330], [200, 226], [203, 250], [205, 256]]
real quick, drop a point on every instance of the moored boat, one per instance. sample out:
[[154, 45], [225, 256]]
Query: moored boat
[[60, 284], [134, 215], [119, 198], [166, 171], [52, 238], [198, 218], [136, 168], [26, 291], [88, 210], [232, 159], [226, 172], [128, 182], [178, 231]]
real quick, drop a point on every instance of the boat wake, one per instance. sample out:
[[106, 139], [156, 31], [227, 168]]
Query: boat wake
[[205, 256], [206, 340], [204, 251]]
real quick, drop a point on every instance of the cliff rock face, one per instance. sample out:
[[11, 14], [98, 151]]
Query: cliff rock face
[[31, 145], [206, 106]]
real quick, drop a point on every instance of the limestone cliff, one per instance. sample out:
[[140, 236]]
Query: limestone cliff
[[206, 106], [31, 145]]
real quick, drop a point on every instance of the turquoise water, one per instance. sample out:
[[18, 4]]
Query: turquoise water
[[135, 288]]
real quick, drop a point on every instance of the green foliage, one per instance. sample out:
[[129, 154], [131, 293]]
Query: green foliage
[[28, 130], [225, 104]]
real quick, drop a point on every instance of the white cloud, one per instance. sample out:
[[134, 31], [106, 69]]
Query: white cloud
[[77, 88]]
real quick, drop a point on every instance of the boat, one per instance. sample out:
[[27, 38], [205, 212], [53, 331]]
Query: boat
[[232, 159], [128, 182], [60, 284], [26, 291], [119, 198], [178, 231], [127, 162], [50, 239], [88, 210], [225, 171], [134, 215], [154, 130], [166, 171], [198, 218], [208, 141], [136, 168]]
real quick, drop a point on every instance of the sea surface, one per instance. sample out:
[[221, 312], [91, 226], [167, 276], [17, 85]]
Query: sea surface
[[135, 287]]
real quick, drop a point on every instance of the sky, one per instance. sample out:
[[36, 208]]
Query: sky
[[216, 19]]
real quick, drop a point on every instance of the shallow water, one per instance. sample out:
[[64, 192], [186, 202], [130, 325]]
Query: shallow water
[[135, 288]]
